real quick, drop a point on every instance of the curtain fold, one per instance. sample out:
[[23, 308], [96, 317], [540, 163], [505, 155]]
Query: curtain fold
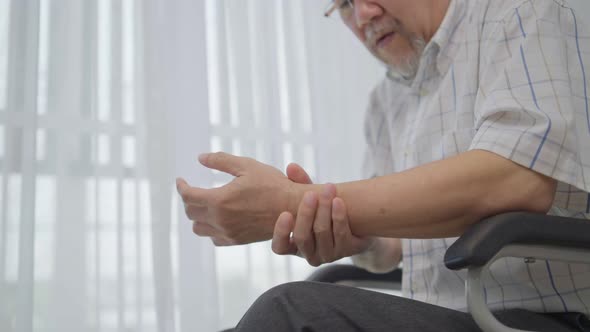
[[87, 178], [104, 103], [176, 90], [21, 94]]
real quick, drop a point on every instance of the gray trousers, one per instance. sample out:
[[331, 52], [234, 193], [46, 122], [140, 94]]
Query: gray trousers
[[320, 307]]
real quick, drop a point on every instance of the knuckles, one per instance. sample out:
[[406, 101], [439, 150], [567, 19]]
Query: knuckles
[[302, 241], [321, 229], [340, 234]]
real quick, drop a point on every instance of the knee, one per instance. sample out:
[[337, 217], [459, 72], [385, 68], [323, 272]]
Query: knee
[[285, 295], [283, 303]]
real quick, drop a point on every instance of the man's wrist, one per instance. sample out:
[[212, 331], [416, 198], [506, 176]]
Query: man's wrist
[[296, 192]]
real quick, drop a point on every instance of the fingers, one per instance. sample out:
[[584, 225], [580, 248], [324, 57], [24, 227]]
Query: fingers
[[322, 225], [191, 195], [203, 229], [281, 240], [342, 232], [297, 174], [345, 243], [302, 234], [195, 213], [224, 162]]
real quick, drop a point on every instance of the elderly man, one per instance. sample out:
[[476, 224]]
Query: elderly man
[[484, 110]]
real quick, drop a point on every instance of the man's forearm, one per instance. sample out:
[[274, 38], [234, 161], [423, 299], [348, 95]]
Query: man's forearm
[[443, 198]]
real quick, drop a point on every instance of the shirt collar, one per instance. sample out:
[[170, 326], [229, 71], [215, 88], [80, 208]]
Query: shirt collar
[[440, 50], [443, 37]]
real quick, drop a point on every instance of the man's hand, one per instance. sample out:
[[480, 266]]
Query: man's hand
[[321, 231], [244, 210]]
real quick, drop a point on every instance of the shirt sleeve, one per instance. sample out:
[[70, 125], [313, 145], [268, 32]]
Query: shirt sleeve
[[532, 103]]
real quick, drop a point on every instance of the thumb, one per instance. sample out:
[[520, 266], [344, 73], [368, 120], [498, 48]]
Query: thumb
[[297, 174], [224, 162]]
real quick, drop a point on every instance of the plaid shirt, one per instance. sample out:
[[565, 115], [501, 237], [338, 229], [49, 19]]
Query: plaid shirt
[[508, 77]]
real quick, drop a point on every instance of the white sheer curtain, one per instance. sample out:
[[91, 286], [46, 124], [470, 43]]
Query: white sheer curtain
[[87, 242], [285, 84], [103, 103]]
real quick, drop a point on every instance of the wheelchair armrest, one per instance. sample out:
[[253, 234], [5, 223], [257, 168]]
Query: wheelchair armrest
[[340, 272], [484, 240]]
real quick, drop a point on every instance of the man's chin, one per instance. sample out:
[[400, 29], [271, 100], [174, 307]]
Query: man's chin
[[389, 59], [395, 67], [402, 68]]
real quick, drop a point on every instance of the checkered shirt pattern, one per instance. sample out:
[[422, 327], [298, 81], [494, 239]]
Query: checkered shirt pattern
[[510, 77]]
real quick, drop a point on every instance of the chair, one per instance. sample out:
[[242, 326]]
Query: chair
[[351, 275], [516, 234]]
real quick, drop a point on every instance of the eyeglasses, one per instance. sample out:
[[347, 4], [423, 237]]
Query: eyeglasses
[[344, 7]]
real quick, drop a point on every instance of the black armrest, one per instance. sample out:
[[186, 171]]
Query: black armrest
[[483, 241], [339, 272]]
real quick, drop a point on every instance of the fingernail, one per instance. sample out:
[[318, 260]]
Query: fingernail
[[309, 199], [203, 158]]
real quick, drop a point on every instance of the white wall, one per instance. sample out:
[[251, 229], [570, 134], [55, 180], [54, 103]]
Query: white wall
[[583, 7]]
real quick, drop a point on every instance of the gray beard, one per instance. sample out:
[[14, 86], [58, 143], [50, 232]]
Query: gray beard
[[408, 68]]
